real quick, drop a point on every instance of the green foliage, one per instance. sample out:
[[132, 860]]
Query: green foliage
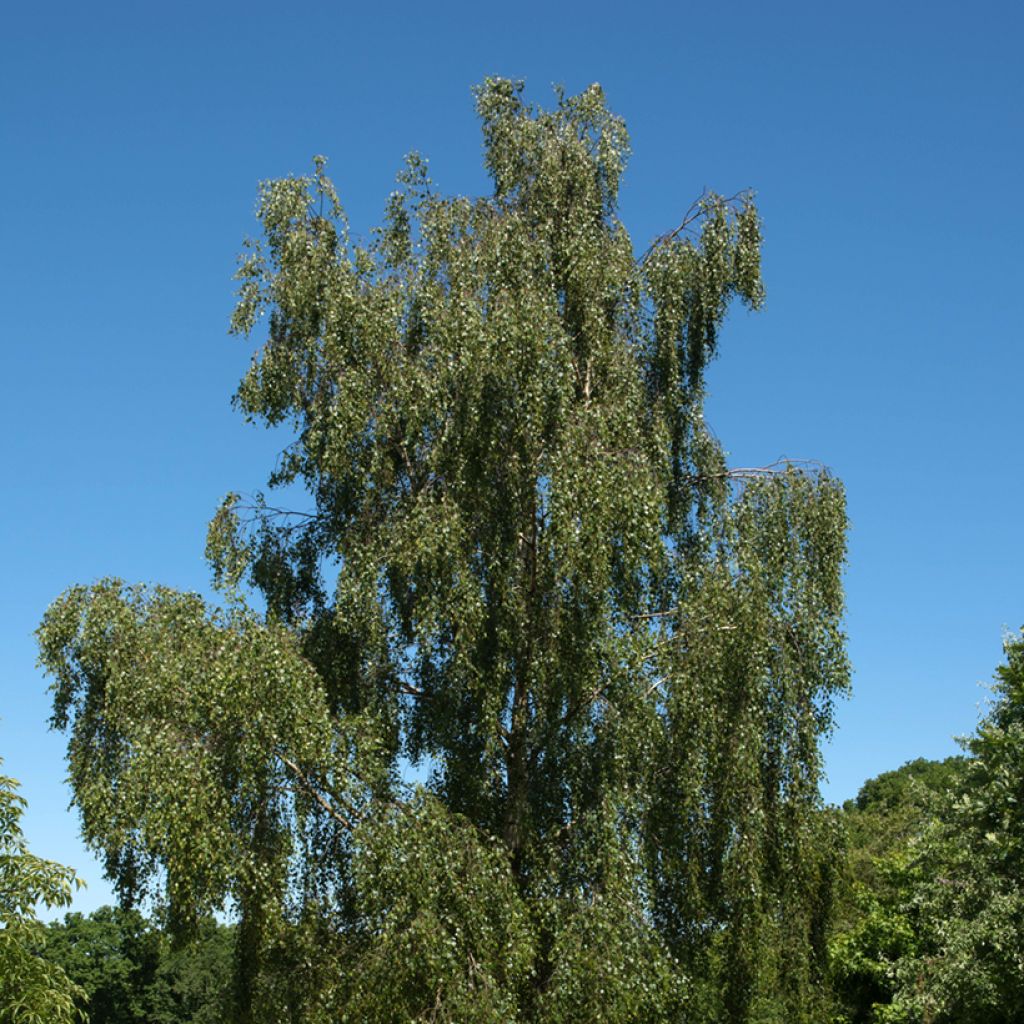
[[112, 956], [932, 925], [970, 901], [447, 936], [876, 926], [877, 931], [32, 990], [908, 792], [890, 815], [525, 569], [132, 974]]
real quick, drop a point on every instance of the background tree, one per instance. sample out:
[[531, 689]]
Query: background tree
[[32, 990], [525, 569], [131, 973], [969, 966], [113, 956], [891, 813], [932, 927], [875, 925]]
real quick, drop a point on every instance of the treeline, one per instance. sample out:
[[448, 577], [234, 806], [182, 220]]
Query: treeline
[[129, 971]]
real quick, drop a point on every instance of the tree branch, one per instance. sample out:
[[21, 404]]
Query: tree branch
[[319, 797], [694, 213]]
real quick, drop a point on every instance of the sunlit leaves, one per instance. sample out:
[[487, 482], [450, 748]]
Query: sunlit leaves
[[969, 901], [32, 990], [193, 729]]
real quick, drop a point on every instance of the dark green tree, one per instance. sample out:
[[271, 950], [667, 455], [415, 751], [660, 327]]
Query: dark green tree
[[931, 929], [113, 956], [525, 568], [875, 925], [892, 812], [130, 972], [193, 982]]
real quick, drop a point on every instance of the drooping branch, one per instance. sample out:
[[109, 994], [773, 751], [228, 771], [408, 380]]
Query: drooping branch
[[348, 822], [771, 469], [696, 210], [775, 468]]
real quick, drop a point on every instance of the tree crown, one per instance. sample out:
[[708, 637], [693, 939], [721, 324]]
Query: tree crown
[[525, 568]]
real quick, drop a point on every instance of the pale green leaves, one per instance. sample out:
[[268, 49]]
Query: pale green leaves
[[183, 723], [449, 937], [32, 990], [226, 551]]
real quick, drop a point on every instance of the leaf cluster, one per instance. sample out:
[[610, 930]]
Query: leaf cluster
[[32, 989], [130, 972], [931, 928]]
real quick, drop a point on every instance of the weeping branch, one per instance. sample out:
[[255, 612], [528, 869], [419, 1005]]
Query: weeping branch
[[696, 210]]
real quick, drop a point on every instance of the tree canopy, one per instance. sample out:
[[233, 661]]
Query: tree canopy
[[932, 927], [129, 971], [519, 717], [874, 925], [969, 903]]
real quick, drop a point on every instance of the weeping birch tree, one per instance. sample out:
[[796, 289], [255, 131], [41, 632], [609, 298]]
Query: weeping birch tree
[[524, 724]]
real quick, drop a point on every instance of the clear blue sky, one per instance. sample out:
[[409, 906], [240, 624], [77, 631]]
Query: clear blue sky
[[885, 142]]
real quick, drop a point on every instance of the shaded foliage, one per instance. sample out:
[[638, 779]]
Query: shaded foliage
[[874, 925], [131, 973], [891, 812], [970, 902], [932, 927]]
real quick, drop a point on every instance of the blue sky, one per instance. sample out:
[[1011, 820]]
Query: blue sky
[[885, 143]]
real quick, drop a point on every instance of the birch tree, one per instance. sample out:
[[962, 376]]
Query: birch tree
[[518, 717]]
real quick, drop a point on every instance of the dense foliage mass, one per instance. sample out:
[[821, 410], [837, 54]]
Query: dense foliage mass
[[129, 972], [527, 577], [933, 928], [874, 926], [32, 989]]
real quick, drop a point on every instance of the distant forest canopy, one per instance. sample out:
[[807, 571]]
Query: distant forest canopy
[[130, 971]]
